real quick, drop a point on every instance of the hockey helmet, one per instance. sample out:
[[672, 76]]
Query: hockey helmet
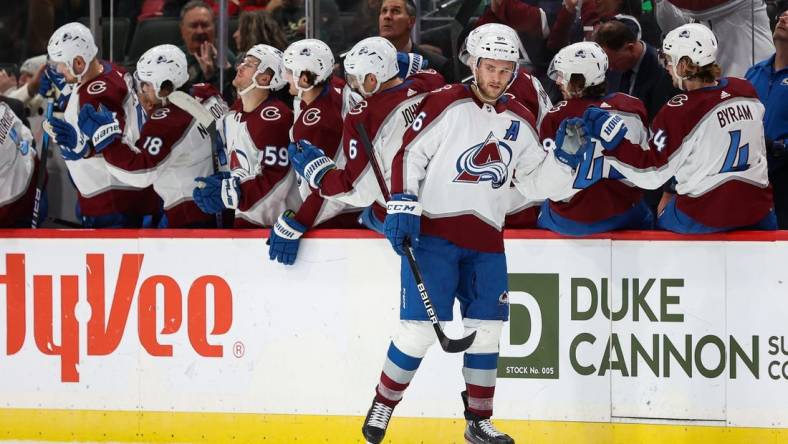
[[474, 38], [694, 41], [309, 55], [160, 64], [69, 41], [270, 58], [587, 59], [373, 55]]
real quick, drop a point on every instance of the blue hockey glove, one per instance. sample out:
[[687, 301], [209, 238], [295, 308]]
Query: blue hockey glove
[[572, 142], [284, 239], [410, 63], [403, 221], [53, 84], [608, 128], [309, 161], [101, 126], [73, 146], [216, 192]]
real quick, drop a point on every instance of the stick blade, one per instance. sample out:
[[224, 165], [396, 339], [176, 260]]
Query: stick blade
[[456, 345]]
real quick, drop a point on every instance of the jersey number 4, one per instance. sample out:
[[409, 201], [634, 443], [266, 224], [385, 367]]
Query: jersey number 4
[[737, 156]]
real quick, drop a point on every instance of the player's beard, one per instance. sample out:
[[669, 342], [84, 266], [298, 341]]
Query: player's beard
[[488, 93]]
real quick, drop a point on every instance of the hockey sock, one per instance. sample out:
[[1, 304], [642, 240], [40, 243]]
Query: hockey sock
[[398, 371], [480, 372]]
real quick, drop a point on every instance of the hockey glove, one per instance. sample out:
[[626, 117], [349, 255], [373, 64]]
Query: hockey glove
[[309, 161], [101, 126], [53, 84], [284, 239], [73, 146], [608, 128], [410, 63], [216, 192], [403, 221], [572, 142]]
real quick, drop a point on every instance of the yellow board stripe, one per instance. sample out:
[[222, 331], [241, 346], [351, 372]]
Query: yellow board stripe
[[220, 428]]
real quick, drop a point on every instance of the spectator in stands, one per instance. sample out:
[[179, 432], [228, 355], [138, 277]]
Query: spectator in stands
[[199, 34], [634, 64], [395, 23], [255, 27], [770, 78]]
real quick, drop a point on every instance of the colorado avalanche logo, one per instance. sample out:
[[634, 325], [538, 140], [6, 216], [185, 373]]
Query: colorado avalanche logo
[[487, 161], [684, 34], [239, 164]]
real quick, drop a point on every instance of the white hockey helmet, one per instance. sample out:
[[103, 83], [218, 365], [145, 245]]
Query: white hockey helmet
[[309, 55], [270, 58], [694, 41], [69, 41], [587, 59], [160, 64], [474, 38], [373, 55]]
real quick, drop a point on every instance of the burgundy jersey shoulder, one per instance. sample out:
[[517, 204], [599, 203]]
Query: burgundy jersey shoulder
[[168, 123], [426, 80], [269, 123], [523, 90], [626, 104], [518, 108], [436, 101], [108, 88]]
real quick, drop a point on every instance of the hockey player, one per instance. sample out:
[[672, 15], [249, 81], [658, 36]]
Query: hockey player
[[172, 148], [449, 181], [709, 140], [261, 184], [386, 112], [18, 172], [527, 90], [611, 203], [103, 200], [309, 64]]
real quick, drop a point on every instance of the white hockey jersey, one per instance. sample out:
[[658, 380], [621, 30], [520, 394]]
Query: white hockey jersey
[[711, 142], [459, 157], [18, 161], [257, 151]]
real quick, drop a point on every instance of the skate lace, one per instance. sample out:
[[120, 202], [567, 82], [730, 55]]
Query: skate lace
[[381, 413], [488, 428]]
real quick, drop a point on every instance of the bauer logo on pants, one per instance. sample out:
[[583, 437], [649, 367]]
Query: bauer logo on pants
[[529, 344]]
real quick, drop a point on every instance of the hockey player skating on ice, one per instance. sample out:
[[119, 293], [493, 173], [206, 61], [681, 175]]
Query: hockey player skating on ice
[[386, 111], [261, 184], [309, 65], [104, 201], [610, 203], [449, 183], [709, 140], [172, 148]]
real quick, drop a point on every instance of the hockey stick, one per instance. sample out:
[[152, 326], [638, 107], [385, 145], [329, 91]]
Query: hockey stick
[[206, 122], [448, 344], [42, 168]]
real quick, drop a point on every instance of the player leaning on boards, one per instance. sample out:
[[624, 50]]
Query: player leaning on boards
[[172, 148], [261, 184], [610, 203], [386, 111], [103, 200], [309, 65], [709, 140], [449, 182]]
